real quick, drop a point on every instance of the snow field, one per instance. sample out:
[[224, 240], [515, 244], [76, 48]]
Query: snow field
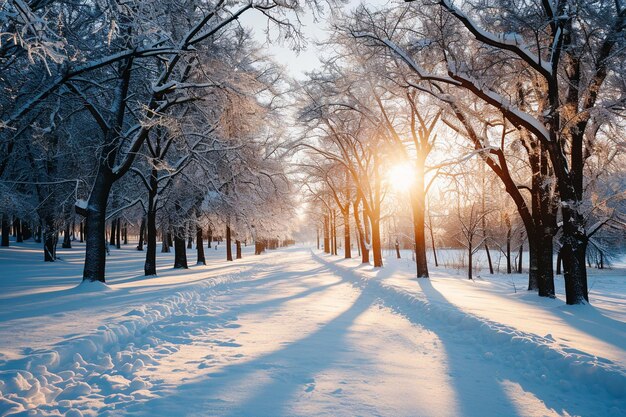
[[292, 333], [535, 357]]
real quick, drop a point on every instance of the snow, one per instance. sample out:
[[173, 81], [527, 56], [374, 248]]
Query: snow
[[294, 332]]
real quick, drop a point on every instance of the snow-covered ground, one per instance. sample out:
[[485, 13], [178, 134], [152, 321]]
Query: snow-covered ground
[[297, 333]]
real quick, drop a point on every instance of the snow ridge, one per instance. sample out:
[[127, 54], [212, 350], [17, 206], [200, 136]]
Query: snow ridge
[[102, 367]]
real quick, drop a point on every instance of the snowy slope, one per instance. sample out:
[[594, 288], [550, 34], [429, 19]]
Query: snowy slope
[[294, 333]]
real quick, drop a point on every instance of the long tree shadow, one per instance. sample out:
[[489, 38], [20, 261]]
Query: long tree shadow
[[472, 395], [292, 367]]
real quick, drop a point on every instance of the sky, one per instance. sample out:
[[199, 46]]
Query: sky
[[298, 64]]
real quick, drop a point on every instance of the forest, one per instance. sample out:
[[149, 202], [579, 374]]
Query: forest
[[432, 147]]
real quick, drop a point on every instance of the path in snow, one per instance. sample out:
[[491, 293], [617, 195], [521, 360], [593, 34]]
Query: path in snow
[[287, 335]]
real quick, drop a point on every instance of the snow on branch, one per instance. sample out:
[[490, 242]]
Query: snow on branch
[[508, 42]]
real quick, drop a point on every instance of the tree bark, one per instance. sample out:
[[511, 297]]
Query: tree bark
[[326, 234], [67, 242], [238, 249], [118, 235], [376, 244], [200, 247], [49, 239], [19, 237], [5, 231], [209, 237], [347, 251], [142, 231], [418, 207], [365, 254], [229, 251], [180, 251], [95, 222]]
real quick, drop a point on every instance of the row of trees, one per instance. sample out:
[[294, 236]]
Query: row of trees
[[160, 113], [534, 90]]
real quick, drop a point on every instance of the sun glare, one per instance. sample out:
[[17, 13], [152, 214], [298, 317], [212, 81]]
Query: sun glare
[[401, 177]]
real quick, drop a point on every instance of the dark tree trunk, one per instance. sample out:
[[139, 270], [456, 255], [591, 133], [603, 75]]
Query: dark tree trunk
[[432, 240], [118, 236], [81, 232], [125, 233], [19, 237], [365, 254], [397, 245], [546, 273], [165, 239], [142, 231], [189, 236], [573, 256], [376, 244], [49, 240], [180, 251], [519, 260], [229, 252], [534, 262], [113, 231], [418, 208], [489, 259], [200, 246], [149, 266], [95, 223], [38, 234], [559, 261], [5, 231], [238, 249], [209, 238], [67, 242]]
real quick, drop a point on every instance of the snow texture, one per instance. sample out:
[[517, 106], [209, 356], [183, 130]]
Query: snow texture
[[298, 333]]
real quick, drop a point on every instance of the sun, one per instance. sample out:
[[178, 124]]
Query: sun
[[401, 177]]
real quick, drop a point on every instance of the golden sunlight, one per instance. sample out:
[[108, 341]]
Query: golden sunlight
[[401, 177]]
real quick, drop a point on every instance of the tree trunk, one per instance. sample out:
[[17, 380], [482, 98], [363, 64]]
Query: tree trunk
[[326, 234], [95, 223], [519, 261], [112, 235], [376, 244], [49, 250], [5, 231], [469, 261], [67, 243], [432, 239], [149, 266], [347, 250], [334, 232], [165, 239], [573, 257], [142, 231], [118, 235], [546, 273], [238, 249], [125, 233], [365, 254], [534, 261], [209, 237], [489, 259], [200, 247], [180, 250], [418, 206], [229, 251], [19, 237], [81, 232]]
